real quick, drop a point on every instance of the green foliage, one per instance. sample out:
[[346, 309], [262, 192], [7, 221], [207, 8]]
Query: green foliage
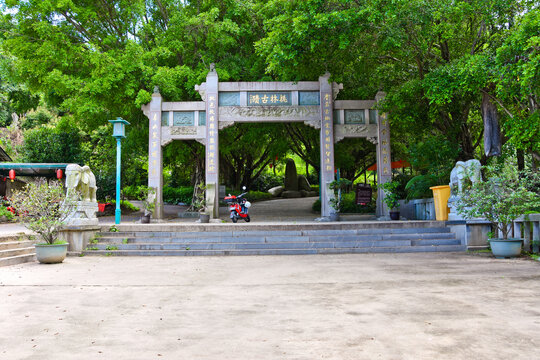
[[338, 186], [135, 192], [348, 205], [266, 181], [391, 194], [419, 186], [40, 208], [177, 195], [36, 118], [5, 212], [254, 196], [59, 144], [500, 199], [126, 206]]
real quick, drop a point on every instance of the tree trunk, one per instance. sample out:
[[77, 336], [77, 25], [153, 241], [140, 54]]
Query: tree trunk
[[492, 131]]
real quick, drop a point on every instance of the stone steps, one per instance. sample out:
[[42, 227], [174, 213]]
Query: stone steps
[[16, 250], [261, 239]]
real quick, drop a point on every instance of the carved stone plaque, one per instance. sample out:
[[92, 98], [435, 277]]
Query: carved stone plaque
[[183, 130]]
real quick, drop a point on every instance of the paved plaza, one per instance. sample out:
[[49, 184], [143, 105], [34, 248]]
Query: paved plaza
[[373, 306]]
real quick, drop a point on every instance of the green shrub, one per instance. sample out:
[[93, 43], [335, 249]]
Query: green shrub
[[126, 206], [315, 188], [266, 181], [135, 192], [5, 212], [182, 194], [258, 196], [348, 205]]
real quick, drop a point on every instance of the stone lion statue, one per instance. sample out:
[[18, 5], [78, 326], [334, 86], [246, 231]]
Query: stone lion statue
[[80, 183], [463, 173]]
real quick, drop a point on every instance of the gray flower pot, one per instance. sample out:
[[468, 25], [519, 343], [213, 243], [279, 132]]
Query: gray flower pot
[[506, 248], [51, 254]]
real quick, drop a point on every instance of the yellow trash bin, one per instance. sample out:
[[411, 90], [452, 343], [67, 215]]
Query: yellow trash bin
[[440, 196]]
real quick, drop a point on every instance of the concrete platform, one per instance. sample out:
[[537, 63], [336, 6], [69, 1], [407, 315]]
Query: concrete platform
[[376, 306]]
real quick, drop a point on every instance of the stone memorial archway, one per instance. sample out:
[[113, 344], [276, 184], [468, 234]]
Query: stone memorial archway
[[226, 103]]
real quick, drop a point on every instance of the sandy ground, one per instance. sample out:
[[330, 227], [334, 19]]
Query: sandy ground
[[373, 306]]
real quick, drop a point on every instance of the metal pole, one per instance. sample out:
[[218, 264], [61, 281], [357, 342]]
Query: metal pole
[[118, 212]]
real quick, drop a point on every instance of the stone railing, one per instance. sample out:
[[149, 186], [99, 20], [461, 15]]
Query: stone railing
[[417, 209], [528, 228]]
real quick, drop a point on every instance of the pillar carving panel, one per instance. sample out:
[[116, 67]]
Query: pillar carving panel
[[212, 143], [384, 159], [327, 144], [155, 159]]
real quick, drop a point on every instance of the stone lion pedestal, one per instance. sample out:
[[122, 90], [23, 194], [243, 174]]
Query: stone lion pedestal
[[81, 225]]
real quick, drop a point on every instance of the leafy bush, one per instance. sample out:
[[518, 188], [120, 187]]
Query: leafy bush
[[5, 212], [60, 144], [419, 186], [266, 181], [258, 196], [315, 188], [126, 206], [348, 205], [182, 194], [35, 118], [135, 192]]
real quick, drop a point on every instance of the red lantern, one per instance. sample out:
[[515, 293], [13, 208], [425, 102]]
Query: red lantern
[[276, 157], [271, 166], [59, 174], [12, 174]]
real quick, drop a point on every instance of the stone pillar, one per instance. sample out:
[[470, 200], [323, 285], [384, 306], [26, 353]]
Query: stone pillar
[[327, 144], [384, 161], [155, 157], [212, 146]]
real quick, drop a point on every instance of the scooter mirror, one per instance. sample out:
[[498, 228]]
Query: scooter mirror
[[243, 188]]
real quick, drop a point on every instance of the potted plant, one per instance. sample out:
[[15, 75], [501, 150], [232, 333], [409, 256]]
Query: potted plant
[[391, 198], [43, 208], [199, 203], [337, 186], [149, 203], [501, 199]]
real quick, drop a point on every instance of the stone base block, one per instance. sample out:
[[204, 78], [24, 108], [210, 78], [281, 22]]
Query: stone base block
[[78, 237]]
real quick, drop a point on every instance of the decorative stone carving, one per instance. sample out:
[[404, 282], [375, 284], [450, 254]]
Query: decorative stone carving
[[462, 172], [373, 140], [335, 89], [300, 112], [80, 183], [202, 90], [313, 123], [202, 141], [183, 130], [80, 196], [224, 124]]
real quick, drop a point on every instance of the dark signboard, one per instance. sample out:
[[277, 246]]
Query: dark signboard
[[363, 194]]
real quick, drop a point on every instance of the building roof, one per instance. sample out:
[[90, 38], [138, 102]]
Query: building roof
[[31, 169]]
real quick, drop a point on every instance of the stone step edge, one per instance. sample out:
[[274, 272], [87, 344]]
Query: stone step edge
[[26, 250], [5, 244], [457, 248], [17, 259]]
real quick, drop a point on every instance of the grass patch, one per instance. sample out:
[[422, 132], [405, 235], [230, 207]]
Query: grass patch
[[111, 247]]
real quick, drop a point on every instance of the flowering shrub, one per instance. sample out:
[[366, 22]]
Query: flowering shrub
[[40, 207], [500, 199]]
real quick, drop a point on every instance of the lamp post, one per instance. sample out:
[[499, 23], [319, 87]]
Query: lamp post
[[119, 132]]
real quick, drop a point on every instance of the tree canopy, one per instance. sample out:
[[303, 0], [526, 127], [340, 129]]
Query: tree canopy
[[438, 61]]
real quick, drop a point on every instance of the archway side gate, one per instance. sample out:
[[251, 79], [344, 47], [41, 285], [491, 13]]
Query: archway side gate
[[224, 103]]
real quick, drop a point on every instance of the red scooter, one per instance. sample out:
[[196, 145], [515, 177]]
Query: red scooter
[[238, 206]]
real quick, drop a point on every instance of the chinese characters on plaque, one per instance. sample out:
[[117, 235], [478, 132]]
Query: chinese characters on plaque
[[211, 135], [269, 98], [384, 141], [327, 135], [155, 150]]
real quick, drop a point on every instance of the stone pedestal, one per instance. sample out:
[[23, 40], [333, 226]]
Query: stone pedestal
[[82, 213], [78, 237]]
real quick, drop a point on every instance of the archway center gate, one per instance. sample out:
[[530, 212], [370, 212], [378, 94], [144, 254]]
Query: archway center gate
[[224, 103]]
